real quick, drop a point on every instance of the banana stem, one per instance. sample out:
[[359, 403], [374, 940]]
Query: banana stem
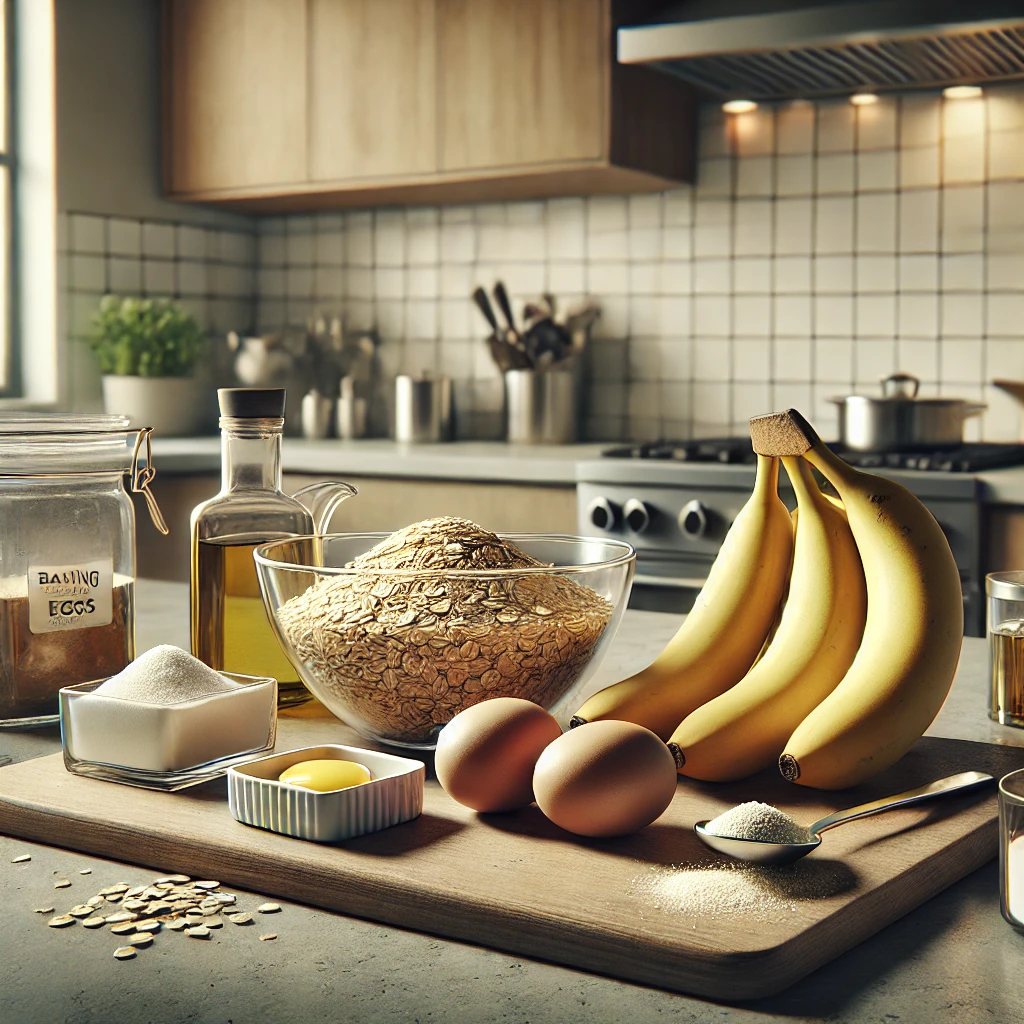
[[767, 478], [838, 473], [799, 474]]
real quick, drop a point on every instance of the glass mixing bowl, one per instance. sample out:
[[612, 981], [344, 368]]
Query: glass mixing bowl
[[397, 653]]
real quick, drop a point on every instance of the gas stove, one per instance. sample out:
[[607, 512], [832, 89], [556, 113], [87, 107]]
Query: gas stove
[[675, 500], [966, 458]]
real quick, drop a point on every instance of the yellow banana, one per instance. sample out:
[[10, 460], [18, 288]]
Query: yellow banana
[[720, 638], [914, 628], [746, 728]]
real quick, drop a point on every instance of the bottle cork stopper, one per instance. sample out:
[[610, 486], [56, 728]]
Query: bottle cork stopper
[[782, 433]]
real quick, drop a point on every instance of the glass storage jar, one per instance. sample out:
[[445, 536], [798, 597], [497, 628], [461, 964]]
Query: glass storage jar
[[1005, 593], [67, 555]]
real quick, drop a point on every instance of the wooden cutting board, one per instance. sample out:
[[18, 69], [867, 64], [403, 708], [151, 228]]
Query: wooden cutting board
[[518, 883]]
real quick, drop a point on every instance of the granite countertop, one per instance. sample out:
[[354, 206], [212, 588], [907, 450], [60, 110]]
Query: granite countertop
[[952, 960], [485, 462]]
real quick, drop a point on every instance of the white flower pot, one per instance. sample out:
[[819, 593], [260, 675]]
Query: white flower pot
[[172, 406]]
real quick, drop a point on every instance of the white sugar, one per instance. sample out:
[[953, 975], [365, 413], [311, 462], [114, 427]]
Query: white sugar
[[755, 820], [167, 712], [164, 675]]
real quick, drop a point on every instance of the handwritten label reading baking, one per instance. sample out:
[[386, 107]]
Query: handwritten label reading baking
[[70, 596]]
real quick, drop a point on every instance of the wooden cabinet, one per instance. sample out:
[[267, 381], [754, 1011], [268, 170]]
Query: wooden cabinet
[[373, 87], [235, 96], [521, 83], [308, 104]]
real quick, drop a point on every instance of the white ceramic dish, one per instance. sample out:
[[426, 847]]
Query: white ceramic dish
[[394, 795], [164, 746]]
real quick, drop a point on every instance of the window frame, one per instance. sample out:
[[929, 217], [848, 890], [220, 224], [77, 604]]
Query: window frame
[[36, 322]]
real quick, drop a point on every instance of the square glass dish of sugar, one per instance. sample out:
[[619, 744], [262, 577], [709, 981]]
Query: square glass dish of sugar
[[145, 737], [394, 794]]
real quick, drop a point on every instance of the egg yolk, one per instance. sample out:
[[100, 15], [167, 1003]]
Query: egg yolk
[[326, 775]]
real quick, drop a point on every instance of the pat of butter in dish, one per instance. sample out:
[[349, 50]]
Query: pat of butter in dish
[[167, 712], [326, 775]]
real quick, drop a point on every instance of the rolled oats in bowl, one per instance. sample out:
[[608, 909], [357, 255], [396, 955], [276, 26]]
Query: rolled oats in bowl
[[399, 637]]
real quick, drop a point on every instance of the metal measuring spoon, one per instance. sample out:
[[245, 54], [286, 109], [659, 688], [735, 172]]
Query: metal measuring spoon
[[761, 852]]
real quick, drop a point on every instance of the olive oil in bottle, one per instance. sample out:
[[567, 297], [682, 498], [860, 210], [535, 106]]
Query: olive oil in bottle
[[238, 636], [231, 631]]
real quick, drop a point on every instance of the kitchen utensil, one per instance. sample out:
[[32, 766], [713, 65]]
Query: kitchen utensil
[[257, 797], [542, 406], [1011, 848], [1004, 592], [505, 357], [546, 343], [899, 420], [1011, 387], [484, 305], [578, 323], [759, 851], [501, 297], [289, 567], [316, 415], [597, 906], [423, 409]]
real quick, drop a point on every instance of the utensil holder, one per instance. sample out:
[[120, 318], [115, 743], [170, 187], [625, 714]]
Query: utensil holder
[[543, 406]]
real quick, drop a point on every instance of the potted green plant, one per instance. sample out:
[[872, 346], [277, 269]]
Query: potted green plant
[[148, 350]]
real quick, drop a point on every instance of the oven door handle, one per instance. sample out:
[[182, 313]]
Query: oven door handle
[[675, 582]]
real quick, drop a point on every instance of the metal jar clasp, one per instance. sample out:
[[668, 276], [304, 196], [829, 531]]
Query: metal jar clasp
[[142, 477]]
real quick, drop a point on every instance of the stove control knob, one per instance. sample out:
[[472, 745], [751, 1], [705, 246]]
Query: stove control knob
[[604, 514], [693, 520], [637, 515]]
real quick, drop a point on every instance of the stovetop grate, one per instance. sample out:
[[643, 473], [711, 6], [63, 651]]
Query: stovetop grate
[[967, 458]]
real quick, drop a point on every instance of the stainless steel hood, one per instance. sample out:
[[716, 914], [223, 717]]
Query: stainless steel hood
[[780, 50]]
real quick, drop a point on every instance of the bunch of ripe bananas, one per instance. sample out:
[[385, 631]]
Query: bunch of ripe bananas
[[841, 682]]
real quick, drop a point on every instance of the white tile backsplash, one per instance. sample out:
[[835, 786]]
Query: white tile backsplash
[[213, 273], [822, 247]]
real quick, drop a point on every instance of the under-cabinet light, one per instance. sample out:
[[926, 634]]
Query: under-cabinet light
[[962, 92], [739, 106], [864, 99]]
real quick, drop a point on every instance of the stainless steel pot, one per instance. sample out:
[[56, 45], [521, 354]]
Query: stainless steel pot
[[900, 421]]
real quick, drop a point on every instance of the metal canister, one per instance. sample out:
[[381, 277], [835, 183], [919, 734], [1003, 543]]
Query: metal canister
[[423, 409]]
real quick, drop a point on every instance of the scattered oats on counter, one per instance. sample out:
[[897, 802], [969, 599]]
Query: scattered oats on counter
[[173, 904], [23, 858]]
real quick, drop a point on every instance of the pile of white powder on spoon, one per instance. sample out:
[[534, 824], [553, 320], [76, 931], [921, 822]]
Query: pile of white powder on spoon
[[755, 820]]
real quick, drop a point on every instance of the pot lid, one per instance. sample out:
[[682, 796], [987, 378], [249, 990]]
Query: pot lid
[[902, 388]]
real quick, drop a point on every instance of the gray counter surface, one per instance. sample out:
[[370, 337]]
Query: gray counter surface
[[953, 960], [478, 461], [472, 461]]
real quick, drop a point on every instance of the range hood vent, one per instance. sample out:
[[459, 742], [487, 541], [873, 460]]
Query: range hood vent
[[838, 49]]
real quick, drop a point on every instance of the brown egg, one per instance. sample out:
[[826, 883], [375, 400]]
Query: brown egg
[[485, 754], [605, 779]]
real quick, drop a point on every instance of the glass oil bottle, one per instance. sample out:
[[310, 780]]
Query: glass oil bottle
[[231, 631]]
